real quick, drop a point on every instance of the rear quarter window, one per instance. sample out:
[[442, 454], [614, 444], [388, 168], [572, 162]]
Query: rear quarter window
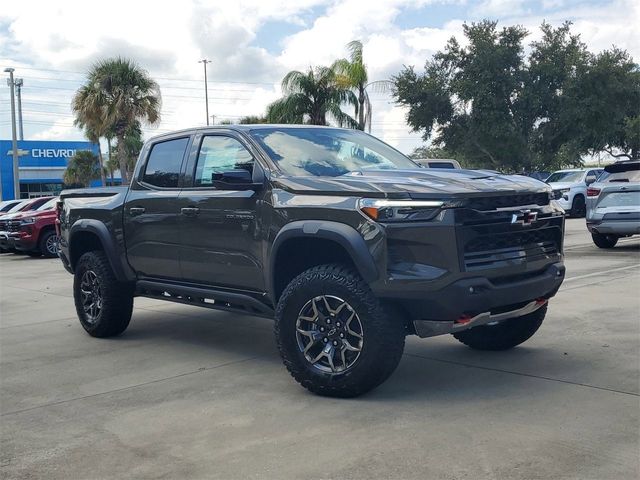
[[164, 163]]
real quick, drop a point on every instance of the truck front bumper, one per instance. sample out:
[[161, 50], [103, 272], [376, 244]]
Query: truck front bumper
[[469, 297], [23, 241], [430, 328], [6, 241]]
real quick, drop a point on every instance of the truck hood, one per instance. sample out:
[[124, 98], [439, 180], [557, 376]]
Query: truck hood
[[38, 214], [421, 183], [561, 185]]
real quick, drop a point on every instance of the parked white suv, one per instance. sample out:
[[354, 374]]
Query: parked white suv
[[570, 188]]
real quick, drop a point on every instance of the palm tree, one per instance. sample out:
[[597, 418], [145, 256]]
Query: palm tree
[[118, 93], [352, 73], [82, 168], [94, 137], [311, 97]]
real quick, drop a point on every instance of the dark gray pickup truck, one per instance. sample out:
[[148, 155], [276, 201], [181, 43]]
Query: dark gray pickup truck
[[345, 241]]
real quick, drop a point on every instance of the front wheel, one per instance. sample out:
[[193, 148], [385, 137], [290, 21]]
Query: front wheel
[[578, 207], [48, 245], [104, 305], [334, 336], [604, 241], [504, 335]]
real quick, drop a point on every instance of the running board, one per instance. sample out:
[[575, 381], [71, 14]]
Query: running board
[[204, 297], [431, 328]]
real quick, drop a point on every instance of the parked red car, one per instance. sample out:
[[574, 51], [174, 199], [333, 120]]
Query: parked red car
[[24, 207], [35, 232]]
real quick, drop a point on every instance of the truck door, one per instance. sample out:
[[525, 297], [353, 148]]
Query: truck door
[[220, 229], [151, 210]]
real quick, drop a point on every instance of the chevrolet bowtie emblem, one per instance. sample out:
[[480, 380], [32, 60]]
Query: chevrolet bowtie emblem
[[524, 217]]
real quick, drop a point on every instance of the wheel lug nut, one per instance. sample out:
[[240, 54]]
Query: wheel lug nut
[[338, 324], [322, 329], [328, 320], [342, 335], [325, 339], [335, 343]]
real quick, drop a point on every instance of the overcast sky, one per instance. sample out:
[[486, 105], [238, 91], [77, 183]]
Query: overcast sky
[[252, 44]]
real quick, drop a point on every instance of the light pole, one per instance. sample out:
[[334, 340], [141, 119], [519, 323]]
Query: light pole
[[14, 139], [19, 83], [204, 61]]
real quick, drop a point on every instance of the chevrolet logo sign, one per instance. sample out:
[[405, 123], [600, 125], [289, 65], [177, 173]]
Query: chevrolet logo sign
[[524, 217], [21, 153]]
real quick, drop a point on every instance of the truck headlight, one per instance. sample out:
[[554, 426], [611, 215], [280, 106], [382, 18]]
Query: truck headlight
[[28, 221], [382, 210]]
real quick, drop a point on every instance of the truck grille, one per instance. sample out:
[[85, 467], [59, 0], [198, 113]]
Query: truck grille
[[505, 201], [13, 226], [3, 225], [494, 250]]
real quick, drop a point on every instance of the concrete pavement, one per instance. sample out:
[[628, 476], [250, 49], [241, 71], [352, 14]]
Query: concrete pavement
[[194, 393]]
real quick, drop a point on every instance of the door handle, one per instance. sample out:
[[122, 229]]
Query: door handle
[[135, 211], [190, 211]]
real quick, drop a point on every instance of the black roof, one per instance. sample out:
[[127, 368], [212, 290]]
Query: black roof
[[241, 128], [623, 166]]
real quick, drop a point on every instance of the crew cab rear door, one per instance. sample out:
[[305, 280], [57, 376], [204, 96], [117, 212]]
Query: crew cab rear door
[[220, 228], [152, 207]]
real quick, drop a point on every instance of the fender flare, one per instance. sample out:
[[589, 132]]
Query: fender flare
[[344, 235], [100, 230]]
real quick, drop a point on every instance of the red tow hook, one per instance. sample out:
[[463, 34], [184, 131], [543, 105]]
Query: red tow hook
[[464, 319], [541, 301]]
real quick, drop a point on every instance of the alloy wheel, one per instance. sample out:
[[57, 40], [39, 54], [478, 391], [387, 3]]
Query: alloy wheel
[[91, 293], [52, 245], [329, 334]]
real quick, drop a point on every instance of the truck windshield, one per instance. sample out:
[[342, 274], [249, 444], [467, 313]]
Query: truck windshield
[[327, 151], [47, 206], [565, 177]]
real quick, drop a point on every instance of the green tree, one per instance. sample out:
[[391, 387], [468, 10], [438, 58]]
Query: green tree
[[352, 73], [117, 94], [82, 168], [607, 96], [132, 145], [433, 152], [498, 109], [312, 97], [252, 120]]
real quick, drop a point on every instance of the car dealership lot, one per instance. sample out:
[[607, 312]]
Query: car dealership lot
[[194, 393]]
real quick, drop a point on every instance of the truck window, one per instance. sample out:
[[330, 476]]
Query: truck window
[[220, 154], [165, 160]]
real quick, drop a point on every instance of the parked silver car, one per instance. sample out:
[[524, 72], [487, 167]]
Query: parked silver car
[[613, 204]]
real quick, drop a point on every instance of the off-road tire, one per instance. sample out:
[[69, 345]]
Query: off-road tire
[[505, 335], [383, 333], [604, 241], [578, 207], [43, 248], [116, 297]]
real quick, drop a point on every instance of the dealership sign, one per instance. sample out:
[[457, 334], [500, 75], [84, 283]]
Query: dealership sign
[[42, 161], [52, 152]]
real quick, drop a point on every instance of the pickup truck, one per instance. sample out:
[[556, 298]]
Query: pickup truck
[[344, 240]]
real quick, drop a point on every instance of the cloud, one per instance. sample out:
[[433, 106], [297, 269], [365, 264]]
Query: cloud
[[168, 40]]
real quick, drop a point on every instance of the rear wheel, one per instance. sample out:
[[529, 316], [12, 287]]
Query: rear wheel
[[604, 241], [504, 335], [48, 245], [578, 206], [334, 336], [104, 305]]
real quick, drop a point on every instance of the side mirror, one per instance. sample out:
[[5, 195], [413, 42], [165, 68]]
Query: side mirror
[[239, 179], [590, 179]]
